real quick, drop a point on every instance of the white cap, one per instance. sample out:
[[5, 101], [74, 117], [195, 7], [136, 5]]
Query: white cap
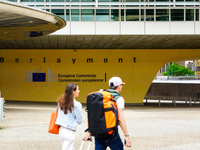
[[116, 81]]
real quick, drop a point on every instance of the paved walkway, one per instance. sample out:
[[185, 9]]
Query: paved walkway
[[25, 127]]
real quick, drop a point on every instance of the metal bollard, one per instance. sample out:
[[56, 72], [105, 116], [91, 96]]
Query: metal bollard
[[190, 101], [186, 100], [174, 102], [195, 100], [146, 99], [159, 102]]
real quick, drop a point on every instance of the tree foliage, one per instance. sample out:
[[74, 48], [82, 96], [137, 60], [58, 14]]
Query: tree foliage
[[178, 70]]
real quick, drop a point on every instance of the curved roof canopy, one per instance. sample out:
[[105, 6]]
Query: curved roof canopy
[[18, 21]]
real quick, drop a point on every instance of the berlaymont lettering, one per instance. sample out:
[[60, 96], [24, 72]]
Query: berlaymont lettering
[[42, 75], [58, 60]]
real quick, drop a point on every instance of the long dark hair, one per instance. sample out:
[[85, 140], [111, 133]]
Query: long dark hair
[[66, 100]]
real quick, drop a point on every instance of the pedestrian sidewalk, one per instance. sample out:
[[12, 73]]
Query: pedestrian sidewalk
[[25, 127]]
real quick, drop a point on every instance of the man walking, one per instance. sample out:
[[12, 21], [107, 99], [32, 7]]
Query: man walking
[[115, 84]]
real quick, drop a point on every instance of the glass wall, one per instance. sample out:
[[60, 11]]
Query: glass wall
[[177, 15], [114, 15], [162, 14], [197, 14], [67, 15], [87, 15], [58, 12], [75, 15], [132, 15], [150, 15], [189, 14], [112, 12], [102, 15], [127, 14], [122, 14]]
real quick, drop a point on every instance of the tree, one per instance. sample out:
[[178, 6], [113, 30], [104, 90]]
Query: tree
[[178, 70]]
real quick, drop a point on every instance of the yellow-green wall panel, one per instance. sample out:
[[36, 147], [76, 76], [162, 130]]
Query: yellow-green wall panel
[[137, 70]]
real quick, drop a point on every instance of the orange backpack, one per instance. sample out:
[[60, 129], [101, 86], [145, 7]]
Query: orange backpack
[[102, 114]]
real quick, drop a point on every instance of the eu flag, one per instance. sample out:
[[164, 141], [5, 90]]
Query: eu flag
[[39, 77]]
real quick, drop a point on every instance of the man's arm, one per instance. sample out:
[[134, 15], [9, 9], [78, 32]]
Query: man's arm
[[122, 123]]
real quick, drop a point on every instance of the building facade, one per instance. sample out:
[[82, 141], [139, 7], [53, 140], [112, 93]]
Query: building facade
[[105, 38]]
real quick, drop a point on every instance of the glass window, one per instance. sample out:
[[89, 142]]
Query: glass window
[[87, 6], [75, 15], [115, 15], [103, 6], [102, 15], [57, 6], [103, 0], [177, 15], [57, 0], [67, 14], [197, 14], [132, 15], [58, 12], [87, 0], [24, 0], [149, 14], [114, 0], [132, 0], [162, 15], [142, 14], [87, 15], [122, 14], [39, 0], [163, 69], [189, 14]]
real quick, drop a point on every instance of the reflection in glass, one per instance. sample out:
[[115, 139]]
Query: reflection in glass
[[122, 14], [67, 14], [23, 0], [142, 14], [162, 15], [177, 15], [150, 15], [132, 0], [103, 0], [132, 15], [58, 12], [115, 15], [57, 0], [197, 14], [102, 15], [75, 15], [189, 14], [87, 15], [87, 0]]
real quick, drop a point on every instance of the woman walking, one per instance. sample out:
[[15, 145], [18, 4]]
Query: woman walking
[[69, 114]]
